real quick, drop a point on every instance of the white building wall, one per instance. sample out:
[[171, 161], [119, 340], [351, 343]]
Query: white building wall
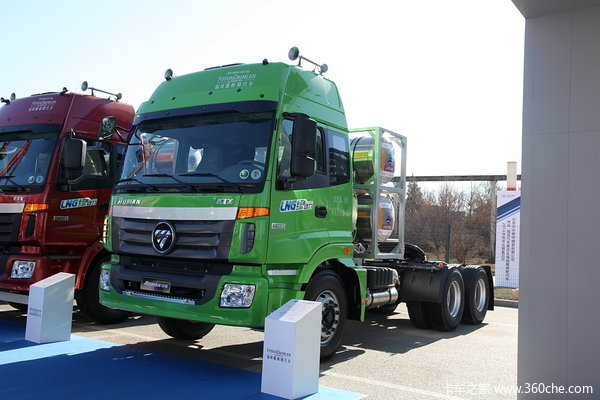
[[559, 310]]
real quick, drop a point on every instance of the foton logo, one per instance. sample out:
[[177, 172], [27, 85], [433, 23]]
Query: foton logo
[[163, 237]]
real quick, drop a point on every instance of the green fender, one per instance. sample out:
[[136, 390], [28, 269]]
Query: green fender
[[336, 252]]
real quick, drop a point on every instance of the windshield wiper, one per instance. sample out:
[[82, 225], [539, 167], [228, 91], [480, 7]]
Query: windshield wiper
[[189, 185], [9, 178], [144, 184], [232, 184]]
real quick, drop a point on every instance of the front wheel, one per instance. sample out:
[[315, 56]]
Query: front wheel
[[18, 306], [88, 301], [326, 288], [446, 316], [182, 329]]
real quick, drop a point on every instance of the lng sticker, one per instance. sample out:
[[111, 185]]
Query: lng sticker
[[244, 174], [295, 205], [77, 203], [256, 174]]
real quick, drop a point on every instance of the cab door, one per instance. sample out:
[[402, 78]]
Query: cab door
[[300, 212], [77, 208]]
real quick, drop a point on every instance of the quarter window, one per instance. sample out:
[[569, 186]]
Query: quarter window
[[339, 159]]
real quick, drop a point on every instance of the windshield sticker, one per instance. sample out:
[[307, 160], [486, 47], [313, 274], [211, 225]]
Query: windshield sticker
[[244, 174], [43, 104], [31, 179], [77, 203], [235, 79], [39, 179], [256, 174], [295, 205]]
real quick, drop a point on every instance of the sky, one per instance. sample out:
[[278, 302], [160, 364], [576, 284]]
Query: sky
[[448, 74]]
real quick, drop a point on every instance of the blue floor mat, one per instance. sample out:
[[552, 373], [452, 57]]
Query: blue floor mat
[[92, 369]]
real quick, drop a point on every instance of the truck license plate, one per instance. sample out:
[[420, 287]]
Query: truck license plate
[[156, 285]]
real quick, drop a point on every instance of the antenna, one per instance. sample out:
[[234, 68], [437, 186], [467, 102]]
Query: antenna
[[294, 54], [84, 87]]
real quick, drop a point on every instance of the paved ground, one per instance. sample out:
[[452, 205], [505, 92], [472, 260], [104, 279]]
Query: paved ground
[[384, 357]]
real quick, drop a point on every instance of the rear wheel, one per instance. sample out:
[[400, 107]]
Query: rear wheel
[[476, 295], [446, 316], [418, 314], [88, 300], [326, 287], [182, 329]]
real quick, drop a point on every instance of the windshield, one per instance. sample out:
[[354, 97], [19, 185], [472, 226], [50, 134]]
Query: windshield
[[25, 159], [225, 152]]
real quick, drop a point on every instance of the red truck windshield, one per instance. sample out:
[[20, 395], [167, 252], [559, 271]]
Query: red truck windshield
[[25, 159]]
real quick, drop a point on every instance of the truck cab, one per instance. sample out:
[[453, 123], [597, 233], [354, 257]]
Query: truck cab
[[56, 178]]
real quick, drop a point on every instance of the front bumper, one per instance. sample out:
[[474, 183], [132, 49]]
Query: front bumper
[[193, 297]]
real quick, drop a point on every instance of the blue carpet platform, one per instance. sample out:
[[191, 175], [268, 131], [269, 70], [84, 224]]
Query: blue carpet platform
[[90, 369]]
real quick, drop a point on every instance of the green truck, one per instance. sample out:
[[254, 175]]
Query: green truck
[[243, 188]]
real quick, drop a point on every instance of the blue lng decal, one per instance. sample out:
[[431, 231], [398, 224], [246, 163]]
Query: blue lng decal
[[295, 205], [76, 203]]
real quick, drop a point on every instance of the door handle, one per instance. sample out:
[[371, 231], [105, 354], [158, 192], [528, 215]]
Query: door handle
[[320, 211]]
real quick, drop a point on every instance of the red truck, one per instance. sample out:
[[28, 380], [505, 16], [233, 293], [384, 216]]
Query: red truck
[[56, 178]]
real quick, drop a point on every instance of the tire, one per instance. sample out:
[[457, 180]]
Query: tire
[[182, 329], [88, 301], [418, 313], [327, 288], [446, 316], [388, 309], [18, 306], [476, 295]]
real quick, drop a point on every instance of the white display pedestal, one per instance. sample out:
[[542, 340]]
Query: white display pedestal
[[292, 349], [50, 310]]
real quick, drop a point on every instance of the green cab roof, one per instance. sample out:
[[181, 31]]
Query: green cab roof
[[293, 88]]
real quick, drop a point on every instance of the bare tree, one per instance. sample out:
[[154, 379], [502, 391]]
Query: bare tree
[[428, 215]]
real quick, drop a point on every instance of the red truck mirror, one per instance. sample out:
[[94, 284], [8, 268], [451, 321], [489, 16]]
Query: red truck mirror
[[108, 127], [74, 153]]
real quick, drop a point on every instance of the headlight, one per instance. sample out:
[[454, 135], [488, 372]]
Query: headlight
[[22, 269], [104, 280], [237, 296], [106, 233]]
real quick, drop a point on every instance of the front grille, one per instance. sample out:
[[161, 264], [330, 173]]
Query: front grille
[[175, 266], [9, 227], [193, 239]]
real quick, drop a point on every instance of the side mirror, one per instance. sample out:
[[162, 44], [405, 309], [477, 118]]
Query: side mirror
[[74, 153], [108, 127], [304, 137]]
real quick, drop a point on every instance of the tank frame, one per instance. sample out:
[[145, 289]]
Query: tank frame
[[374, 187]]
